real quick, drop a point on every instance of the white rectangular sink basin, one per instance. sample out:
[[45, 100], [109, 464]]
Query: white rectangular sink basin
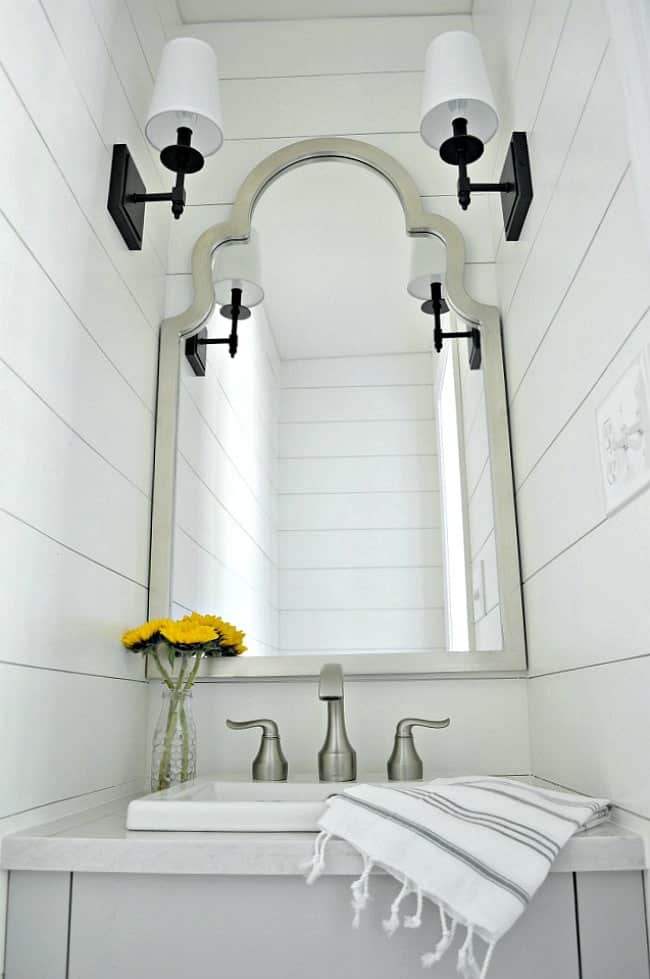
[[208, 805]]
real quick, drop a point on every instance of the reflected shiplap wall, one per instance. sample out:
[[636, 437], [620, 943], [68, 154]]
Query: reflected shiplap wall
[[281, 82], [360, 551], [225, 549], [575, 293], [78, 349]]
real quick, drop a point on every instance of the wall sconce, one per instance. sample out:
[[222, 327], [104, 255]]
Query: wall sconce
[[428, 254], [237, 272], [184, 123], [459, 116]]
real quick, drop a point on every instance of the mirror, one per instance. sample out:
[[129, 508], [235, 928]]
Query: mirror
[[338, 489]]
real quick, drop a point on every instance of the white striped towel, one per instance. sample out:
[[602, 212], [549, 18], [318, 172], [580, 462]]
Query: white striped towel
[[478, 847]]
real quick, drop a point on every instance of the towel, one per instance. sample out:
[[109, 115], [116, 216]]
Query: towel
[[478, 847]]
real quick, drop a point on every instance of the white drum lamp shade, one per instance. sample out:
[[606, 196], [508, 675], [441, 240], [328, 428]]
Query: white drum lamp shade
[[238, 266], [456, 86], [428, 264], [186, 94]]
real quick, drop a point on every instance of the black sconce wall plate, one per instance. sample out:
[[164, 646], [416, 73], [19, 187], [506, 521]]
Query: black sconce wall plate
[[515, 203], [196, 352], [125, 181]]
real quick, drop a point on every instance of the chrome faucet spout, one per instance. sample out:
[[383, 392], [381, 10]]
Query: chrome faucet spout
[[337, 759]]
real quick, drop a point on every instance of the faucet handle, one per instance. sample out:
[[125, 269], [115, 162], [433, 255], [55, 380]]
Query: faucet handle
[[404, 763], [269, 764]]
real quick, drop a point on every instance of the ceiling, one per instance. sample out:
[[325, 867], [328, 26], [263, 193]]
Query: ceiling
[[335, 264], [194, 11]]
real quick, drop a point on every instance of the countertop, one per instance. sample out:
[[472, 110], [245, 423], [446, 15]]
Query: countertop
[[96, 841]]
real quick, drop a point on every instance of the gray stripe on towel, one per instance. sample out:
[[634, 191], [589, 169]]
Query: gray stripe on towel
[[454, 851], [515, 834]]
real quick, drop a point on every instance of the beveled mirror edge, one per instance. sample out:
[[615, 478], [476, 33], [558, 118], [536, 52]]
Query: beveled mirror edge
[[173, 330]]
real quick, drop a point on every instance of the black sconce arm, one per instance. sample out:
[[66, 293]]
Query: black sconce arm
[[435, 307], [235, 312]]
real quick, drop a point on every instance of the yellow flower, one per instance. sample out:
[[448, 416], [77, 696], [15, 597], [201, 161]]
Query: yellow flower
[[144, 633], [210, 620], [188, 632]]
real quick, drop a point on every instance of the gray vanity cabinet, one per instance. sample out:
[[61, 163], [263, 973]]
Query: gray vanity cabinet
[[136, 926]]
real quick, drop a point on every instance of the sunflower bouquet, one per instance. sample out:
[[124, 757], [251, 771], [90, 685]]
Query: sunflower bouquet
[[168, 642]]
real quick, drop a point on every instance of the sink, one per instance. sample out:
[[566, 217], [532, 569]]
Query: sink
[[209, 804]]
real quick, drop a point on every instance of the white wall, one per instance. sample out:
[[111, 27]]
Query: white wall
[[225, 549], [77, 382], [281, 82], [359, 506], [575, 294]]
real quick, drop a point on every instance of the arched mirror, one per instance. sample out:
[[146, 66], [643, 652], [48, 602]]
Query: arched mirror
[[338, 488]]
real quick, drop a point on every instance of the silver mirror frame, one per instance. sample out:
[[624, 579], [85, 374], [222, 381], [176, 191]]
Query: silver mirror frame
[[176, 329]]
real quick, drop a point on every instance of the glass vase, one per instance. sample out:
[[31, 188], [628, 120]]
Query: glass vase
[[174, 741]]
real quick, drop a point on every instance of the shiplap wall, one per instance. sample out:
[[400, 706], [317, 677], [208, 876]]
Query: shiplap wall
[[484, 579], [77, 380], [575, 293], [225, 548], [281, 82], [359, 506]]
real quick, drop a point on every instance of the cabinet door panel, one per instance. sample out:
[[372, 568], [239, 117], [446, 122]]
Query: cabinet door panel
[[276, 927], [37, 925], [611, 916]]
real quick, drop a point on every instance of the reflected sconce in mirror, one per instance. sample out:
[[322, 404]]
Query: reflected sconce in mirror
[[237, 274], [459, 117], [183, 123], [427, 254]]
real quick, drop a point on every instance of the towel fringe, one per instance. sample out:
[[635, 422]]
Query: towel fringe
[[316, 865], [361, 891], [467, 964], [414, 921], [448, 934], [391, 925]]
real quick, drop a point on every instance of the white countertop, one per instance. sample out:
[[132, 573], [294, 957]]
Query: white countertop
[[96, 841]]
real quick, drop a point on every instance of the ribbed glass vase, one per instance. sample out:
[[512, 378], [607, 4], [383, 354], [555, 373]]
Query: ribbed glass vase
[[174, 741]]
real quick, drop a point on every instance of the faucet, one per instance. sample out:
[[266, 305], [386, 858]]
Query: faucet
[[337, 759]]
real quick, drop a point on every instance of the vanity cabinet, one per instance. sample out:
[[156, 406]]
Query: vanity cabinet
[[135, 926]]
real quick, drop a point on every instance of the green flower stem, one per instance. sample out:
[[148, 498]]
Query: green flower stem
[[185, 742], [161, 669], [195, 669]]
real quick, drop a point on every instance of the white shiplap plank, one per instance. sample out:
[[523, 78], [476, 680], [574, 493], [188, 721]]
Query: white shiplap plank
[[63, 611], [359, 548], [74, 142], [204, 518], [481, 512], [359, 511], [362, 475], [202, 583], [367, 588], [44, 342], [63, 759], [358, 371], [320, 106], [357, 631], [573, 338], [64, 488], [249, 502], [389, 403], [590, 605], [90, 59], [602, 714], [594, 166], [44, 212], [357, 438], [254, 49], [555, 508]]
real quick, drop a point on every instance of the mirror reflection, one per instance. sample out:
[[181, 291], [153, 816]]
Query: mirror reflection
[[333, 481]]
